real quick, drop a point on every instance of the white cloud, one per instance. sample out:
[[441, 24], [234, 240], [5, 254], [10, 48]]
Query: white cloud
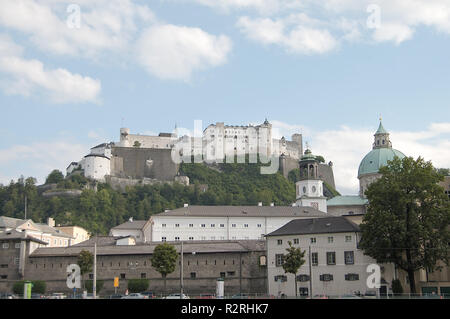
[[346, 147], [293, 35], [175, 52], [105, 25], [39, 159], [24, 77]]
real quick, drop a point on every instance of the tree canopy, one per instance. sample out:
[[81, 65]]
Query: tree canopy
[[407, 220], [292, 261]]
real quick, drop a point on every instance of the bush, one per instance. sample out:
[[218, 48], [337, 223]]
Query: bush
[[89, 284], [39, 287], [138, 285]]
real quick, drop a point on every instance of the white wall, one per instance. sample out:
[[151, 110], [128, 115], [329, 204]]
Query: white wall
[[96, 167]]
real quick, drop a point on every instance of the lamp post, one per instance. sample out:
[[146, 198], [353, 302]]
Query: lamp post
[[181, 272]]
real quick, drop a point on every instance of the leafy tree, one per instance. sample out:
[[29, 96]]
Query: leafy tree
[[54, 177], [86, 263], [38, 287], [407, 218], [320, 158], [292, 261], [164, 260]]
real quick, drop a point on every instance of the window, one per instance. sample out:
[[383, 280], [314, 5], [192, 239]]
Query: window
[[5, 245], [231, 273], [296, 241], [143, 275], [4, 266], [351, 277], [163, 238], [279, 259], [193, 275], [259, 225], [246, 225], [314, 259], [222, 225], [330, 240], [313, 240], [177, 238], [349, 257], [91, 276], [326, 277], [177, 225], [331, 258], [122, 276], [191, 225], [163, 225], [302, 278], [213, 225], [3, 276], [348, 239], [281, 278], [222, 275], [17, 245], [233, 225], [191, 238], [303, 291], [280, 242], [203, 225]]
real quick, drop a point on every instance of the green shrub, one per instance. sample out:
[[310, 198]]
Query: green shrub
[[138, 285], [89, 284], [397, 288], [39, 287]]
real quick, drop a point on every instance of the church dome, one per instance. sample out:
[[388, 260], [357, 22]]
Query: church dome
[[377, 158], [381, 153]]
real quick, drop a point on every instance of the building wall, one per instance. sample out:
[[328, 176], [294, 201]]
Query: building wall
[[242, 272], [138, 163], [97, 167], [346, 210], [136, 233], [79, 234], [338, 286], [257, 227]]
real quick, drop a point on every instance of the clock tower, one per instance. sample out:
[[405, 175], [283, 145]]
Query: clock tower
[[309, 189]]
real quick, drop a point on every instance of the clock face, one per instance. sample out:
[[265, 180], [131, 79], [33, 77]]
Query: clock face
[[314, 189]]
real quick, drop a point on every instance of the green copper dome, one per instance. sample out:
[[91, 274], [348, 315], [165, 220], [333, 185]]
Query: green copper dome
[[377, 158]]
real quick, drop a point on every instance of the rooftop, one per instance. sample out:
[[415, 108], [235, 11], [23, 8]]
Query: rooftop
[[316, 226], [132, 224], [244, 211], [347, 201]]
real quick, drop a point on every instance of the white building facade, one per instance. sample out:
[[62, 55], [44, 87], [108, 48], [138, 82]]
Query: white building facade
[[224, 222], [334, 266]]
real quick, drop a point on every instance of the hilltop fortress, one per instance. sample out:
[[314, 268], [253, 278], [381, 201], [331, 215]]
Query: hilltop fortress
[[145, 159]]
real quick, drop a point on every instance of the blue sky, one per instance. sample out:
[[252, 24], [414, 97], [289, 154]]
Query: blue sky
[[317, 68]]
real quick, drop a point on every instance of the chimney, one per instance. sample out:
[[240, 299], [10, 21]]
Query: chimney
[[50, 222], [259, 203]]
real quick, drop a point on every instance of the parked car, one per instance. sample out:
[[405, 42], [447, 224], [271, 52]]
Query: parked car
[[116, 296], [207, 296], [8, 295], [37, 296], [135, 295], [176, 296], [149, 294], [320, 297], [58, 295]]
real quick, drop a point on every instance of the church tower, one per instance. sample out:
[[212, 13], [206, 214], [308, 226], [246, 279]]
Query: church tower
[[309, 189]]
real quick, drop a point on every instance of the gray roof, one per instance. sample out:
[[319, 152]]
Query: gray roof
[[189, 247], [316, 226], [135, 224], [245, 211], [9, 222], [18, 235]]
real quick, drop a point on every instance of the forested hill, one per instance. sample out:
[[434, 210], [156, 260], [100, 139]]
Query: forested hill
[[98, 211]]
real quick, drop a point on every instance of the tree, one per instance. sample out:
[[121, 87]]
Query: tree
[[292, 261], [397, 288], [86, 262], [164, 260], [54, 177], [407, 218]]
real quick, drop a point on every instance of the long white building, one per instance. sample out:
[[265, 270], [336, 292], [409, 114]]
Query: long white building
[[225, 222]]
